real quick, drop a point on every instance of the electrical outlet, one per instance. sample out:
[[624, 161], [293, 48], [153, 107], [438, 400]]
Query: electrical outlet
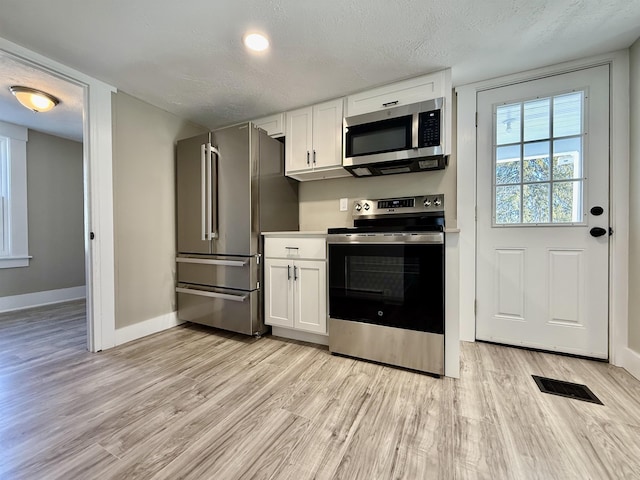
[[344, 204]]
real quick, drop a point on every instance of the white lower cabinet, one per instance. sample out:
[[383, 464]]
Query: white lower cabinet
[[295, 288], [295, 294]]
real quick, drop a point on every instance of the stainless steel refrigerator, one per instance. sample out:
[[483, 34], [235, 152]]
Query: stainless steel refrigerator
[[230, 186]]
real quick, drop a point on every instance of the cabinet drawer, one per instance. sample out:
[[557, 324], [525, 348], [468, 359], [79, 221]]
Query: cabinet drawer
[[312, 248]]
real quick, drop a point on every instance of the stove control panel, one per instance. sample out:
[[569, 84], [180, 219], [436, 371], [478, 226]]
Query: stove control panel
[[400, 205]]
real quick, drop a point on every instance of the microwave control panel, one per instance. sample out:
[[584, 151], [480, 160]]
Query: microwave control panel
[[429, 129]]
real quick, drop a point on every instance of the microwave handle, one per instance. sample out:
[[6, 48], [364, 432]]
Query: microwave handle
[[415, 125]]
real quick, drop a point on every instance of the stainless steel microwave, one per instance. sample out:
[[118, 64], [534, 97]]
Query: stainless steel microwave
[[403, 139]]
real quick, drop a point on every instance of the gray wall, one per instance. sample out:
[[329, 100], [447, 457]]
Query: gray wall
[[55, 216], [634, 202], [144, 214]]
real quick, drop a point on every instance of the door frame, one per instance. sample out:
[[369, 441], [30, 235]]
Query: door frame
[[618, 191], [98, 192]]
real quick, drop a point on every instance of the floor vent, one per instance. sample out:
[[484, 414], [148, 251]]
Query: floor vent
[[566, 389]]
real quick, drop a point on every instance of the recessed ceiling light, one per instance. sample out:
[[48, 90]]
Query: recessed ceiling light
[[33, 99], [256, 41]]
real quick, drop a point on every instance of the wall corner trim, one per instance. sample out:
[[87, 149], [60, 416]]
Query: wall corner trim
[[147, 327], [38, 299]]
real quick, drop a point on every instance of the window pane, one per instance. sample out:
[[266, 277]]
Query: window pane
[[567, 158], [508, 164], [567, 202], [536, 119], [508, 124], [535, 203], [536, 165], [508, 204], [567, 114]]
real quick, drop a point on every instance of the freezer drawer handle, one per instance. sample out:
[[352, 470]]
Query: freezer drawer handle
[[226, 263], [202, 293]]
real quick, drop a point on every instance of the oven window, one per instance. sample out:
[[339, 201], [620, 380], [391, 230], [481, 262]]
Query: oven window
[[378, 137], [393, 285]]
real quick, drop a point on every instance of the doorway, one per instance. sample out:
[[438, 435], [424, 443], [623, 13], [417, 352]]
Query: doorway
[[542, 255], [98, 192]]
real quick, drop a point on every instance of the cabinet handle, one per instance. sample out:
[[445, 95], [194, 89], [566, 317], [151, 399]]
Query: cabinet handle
[[390, 104], [307, 157], [295, 273], [314, 157], [288, 272]]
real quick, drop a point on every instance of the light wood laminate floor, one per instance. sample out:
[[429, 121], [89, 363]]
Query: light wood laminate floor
[[203, 404]]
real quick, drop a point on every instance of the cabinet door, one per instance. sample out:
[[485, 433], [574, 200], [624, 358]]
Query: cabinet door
[[310, 296], [298, 144], [327, 134], [273, 124], [278, 296], [405, 92]]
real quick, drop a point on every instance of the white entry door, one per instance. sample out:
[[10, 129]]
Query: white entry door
[[542, 194]]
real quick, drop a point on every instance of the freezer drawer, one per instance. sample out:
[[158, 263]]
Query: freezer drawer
[[232, 310], [219, 271]]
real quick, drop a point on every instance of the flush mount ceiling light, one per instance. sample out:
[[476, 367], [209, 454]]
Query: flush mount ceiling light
[[33, 99], [256, 42]]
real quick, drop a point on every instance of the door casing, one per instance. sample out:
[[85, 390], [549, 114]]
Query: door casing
[[619, 191]]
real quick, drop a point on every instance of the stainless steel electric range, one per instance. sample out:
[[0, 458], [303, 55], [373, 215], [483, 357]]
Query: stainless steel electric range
[[386, 283]]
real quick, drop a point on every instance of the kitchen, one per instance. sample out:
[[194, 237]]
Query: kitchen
[[135, 255]]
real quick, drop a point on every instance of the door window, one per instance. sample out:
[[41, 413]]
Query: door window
[[538, 161]]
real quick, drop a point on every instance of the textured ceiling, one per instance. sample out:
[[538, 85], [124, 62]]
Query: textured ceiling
[[186, 57], [65, 120]]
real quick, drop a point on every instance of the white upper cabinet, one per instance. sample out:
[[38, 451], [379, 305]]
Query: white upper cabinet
[[413, 90], [298, 143], [313, 149], [273, 124], [409, 91]]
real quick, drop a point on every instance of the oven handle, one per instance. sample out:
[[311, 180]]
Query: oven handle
[[423, 238]]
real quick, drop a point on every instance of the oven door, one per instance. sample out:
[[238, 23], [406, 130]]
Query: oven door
[[395, 281]]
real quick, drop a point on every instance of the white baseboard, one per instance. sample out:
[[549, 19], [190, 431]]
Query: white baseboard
[[147, 327], [38, 299], [300, 336], [631, 362]]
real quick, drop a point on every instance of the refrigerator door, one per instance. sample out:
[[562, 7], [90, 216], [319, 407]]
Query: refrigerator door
[[278, 194], [237, 167], [193, 199]]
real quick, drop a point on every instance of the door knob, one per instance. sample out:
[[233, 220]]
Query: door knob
[[597, 210], [597, 232]]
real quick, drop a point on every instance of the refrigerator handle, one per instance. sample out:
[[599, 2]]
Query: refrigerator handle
[[203, 190], [212, 192]]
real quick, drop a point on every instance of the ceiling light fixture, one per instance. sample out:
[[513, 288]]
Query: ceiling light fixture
[[33, 99], [256, 42]]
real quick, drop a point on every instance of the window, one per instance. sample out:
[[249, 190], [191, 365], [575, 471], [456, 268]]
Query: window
[[13, 196], [538, 161]]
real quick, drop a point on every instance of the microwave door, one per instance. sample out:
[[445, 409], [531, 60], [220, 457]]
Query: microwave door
[[390, 135]]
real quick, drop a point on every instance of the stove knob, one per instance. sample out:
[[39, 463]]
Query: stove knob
[[427, 203], [358, 207], [366, 206], [437, 202]]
